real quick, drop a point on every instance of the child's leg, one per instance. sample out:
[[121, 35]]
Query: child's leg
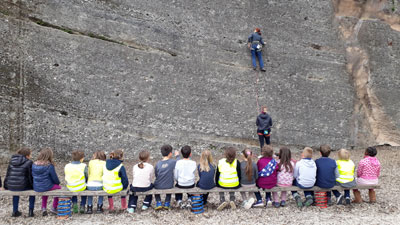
[[55, 202], [124, 205], [258, 196], [15, 201], [267, 196], [222, 197], [328, 194], [275, 196], [178, 197], [90, 200], [167, 197], [205, 197], [31, 202], [283, 195], [44, 202], [147, 200], [110, 203], [100, 200], [232, 196], [244, 196], [347, 193], [83, 200], [74, 200], [132, 201], [336, 193], [157, 197]]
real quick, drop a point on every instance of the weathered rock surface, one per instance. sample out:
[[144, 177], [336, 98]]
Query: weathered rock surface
[[103, 74]]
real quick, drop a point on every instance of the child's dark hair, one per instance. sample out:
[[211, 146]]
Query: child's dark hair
[[100, 155], [285, 157], [186, 150], [230, 154], [77, 155], [143, 157], [267, 151], [371, 151], [325, 150], [165, 150], [249, 165], [24, 151], [117, 154]]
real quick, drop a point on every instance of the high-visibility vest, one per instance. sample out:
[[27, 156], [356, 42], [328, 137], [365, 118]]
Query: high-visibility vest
[[75, 177], [346, 171], [228, 176], [111, 181], [96, 170]]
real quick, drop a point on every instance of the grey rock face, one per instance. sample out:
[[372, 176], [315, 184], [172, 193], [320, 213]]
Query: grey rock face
[[138, 74]]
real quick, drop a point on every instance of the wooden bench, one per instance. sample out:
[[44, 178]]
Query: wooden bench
[[65, 192]]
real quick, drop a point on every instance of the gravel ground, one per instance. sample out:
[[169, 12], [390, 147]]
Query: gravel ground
[[385, 211]]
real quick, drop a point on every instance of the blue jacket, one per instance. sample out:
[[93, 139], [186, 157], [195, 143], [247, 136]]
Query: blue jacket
[[206, 179], [253, 39], [114, 163], [44, 177], [326, 168]]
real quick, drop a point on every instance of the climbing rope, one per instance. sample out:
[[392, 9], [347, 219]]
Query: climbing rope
[[256, 90]]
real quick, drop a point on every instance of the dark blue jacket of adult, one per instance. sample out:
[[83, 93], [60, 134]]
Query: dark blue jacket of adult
[[263, 122], [326, 168], [44, 176], [114, 163], [19, 174], [254, 39]]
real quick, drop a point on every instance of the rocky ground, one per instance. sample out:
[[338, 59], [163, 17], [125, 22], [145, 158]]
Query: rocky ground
[[385, 211]]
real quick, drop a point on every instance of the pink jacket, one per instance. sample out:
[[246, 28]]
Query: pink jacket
[[369, 168]]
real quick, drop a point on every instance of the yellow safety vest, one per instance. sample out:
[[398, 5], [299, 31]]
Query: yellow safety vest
[[346, 171], [75, 177], [96, 170], [111, 181], [228, 176]]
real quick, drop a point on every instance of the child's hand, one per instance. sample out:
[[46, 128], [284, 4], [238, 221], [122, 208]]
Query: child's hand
[[176, 153], [1, 189]]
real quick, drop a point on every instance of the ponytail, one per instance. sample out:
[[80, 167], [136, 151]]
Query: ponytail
[[249, 166], [143, 157]]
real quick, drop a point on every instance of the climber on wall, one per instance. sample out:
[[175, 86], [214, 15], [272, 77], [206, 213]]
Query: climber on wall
[[255, 44], [264, 124]]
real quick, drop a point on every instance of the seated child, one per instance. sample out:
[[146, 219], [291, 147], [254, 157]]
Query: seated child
[[143, 175], [184, 174], [304, 173], [285, 175], [164, 172], [115, 178], [95, 180], [228, 176], [267, 174], [76, 174], [249, 175], [345, 177], [326, 170], [45, 178], [206, 174], [19, 178], [368, 172]]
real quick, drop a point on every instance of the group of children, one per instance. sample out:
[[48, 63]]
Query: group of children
[[269, 171]]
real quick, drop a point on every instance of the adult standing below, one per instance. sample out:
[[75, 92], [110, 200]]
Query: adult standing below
[[264, 124], [255, 43]]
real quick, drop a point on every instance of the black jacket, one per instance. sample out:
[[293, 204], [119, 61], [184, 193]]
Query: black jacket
[[263, 122], [19, 174]]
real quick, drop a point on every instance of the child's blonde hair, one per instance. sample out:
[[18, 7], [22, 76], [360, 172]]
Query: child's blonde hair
[[205, 160], [307, 152], [344, 154], [46, 156]]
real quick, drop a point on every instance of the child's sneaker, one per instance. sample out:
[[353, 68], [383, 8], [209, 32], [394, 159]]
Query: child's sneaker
[[348, 201], [167, 205], [189, 204], [145, 207], [232, 204], [283, 203], [249, 203], [131, 210], [258, 204], [75, 208], [298, 201], [222, 206], [276, 204], [339, 200], [44, 212], [180, 204], [309, 201], [53, 211], [266, 202], [158, 206], [243, 203]]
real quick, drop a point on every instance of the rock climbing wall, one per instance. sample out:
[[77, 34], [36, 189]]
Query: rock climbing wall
[[107, 74]]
